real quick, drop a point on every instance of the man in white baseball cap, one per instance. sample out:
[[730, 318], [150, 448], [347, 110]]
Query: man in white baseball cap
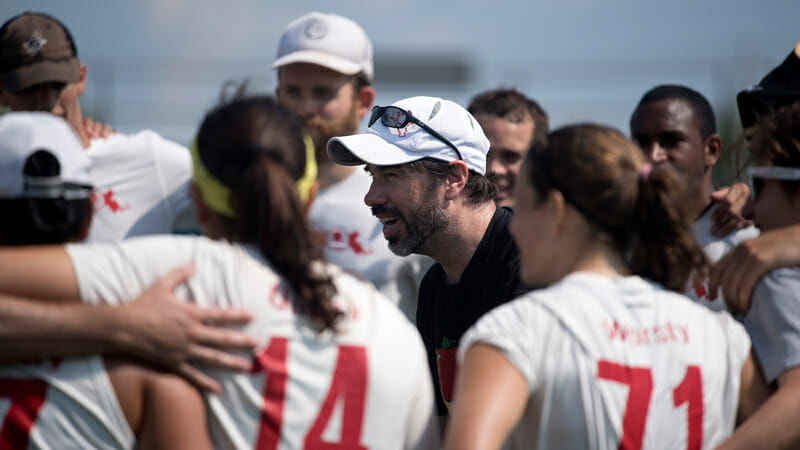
[[427, 158], [325, 71]]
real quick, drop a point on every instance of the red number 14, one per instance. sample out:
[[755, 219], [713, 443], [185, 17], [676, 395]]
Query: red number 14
[[349, 383], [640, 386]]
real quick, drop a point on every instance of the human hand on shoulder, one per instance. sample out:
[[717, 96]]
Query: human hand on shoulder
[[738, 272], [162, 329], [727, 214], [96, 130]]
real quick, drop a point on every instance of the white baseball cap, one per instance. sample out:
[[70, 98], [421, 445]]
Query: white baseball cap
[[24, 133], [327, 40], [387, 146]]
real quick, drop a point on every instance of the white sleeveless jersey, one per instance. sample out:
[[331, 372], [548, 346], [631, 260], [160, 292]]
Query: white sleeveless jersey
[[61, 404], [715, 248], [366, 386], [141, 186], [618, 363]]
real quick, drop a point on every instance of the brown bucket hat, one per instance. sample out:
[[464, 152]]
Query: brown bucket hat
[[36, 48]]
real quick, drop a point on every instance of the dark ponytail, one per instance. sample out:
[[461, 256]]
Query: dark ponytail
[[255, 147], [664, 247], [642, 212]]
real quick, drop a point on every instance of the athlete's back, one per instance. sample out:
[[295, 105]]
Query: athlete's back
[[366, 385], [66, 403], [619, 363]]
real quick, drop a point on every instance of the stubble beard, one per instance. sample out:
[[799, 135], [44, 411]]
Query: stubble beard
[[430, 219]]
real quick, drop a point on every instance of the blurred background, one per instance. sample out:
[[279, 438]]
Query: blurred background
[[160, 64]]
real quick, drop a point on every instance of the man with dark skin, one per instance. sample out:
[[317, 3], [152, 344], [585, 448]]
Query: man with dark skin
[[675, 125]]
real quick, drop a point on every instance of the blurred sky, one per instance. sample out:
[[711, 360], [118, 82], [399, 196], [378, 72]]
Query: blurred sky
[[160, 63]]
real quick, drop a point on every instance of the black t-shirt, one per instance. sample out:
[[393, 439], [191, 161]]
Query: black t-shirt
[[446, 311]]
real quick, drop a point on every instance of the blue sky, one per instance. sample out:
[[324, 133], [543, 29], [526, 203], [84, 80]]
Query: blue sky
[[160, 63]]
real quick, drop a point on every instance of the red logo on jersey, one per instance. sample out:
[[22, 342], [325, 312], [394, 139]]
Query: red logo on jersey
[[109, 201], [343, 240], [447, 367], [279, 298], [700, 291]]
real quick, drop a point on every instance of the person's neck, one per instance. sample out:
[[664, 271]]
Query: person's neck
[[702, 199], [601, 260], [75, 118], [331, 173], [456, 245]]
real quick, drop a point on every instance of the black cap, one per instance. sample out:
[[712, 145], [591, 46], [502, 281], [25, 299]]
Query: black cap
[[780, 87]]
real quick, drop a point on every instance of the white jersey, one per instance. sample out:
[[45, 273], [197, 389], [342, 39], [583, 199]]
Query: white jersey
[[61, 404], [366, 385], [141, 187], [715, 248], [612, 360], [355, 242]]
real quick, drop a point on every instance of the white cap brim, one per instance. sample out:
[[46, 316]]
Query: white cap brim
[[319, 58], [368, 149]]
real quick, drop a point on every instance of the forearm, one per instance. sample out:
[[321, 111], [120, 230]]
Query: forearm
[[774, 425], [31, 329]]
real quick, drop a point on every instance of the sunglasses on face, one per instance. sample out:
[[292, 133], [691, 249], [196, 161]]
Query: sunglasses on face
[[394, 117], [759, 173]]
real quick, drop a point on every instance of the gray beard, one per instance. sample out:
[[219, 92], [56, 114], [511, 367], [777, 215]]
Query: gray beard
[[425, 225]]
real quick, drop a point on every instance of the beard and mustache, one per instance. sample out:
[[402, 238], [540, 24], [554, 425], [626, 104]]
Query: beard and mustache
[[425, 220], [322, 130]]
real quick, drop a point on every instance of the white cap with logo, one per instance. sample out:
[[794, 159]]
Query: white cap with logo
[[388, 146], [327, 40], [24, 133]]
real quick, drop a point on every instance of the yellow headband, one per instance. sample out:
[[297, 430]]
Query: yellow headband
[[217, 196], [310, 173]]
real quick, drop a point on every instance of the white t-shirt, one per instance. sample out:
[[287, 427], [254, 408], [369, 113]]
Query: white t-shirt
[[355, 242], [141, 187], [598, 352], [715, 248], [60, 404], [366, 385]]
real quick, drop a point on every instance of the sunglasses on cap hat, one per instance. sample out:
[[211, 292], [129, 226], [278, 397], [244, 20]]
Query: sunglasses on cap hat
[[395, 117], [771, 173]]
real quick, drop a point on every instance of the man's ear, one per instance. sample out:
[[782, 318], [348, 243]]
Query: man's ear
[[365, 99], [558, 207], [711, 150], [456, 179], [82, 79]]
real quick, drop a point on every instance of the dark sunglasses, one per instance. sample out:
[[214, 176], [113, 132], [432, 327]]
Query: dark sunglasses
[[394, 117]]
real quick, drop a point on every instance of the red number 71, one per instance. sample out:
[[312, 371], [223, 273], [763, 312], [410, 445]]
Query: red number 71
[[640, 386]]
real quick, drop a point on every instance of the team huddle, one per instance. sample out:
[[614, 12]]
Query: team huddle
[[452, 277]]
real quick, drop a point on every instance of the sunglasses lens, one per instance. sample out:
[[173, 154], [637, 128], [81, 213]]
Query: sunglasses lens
[[376, 114], [394, 117]]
